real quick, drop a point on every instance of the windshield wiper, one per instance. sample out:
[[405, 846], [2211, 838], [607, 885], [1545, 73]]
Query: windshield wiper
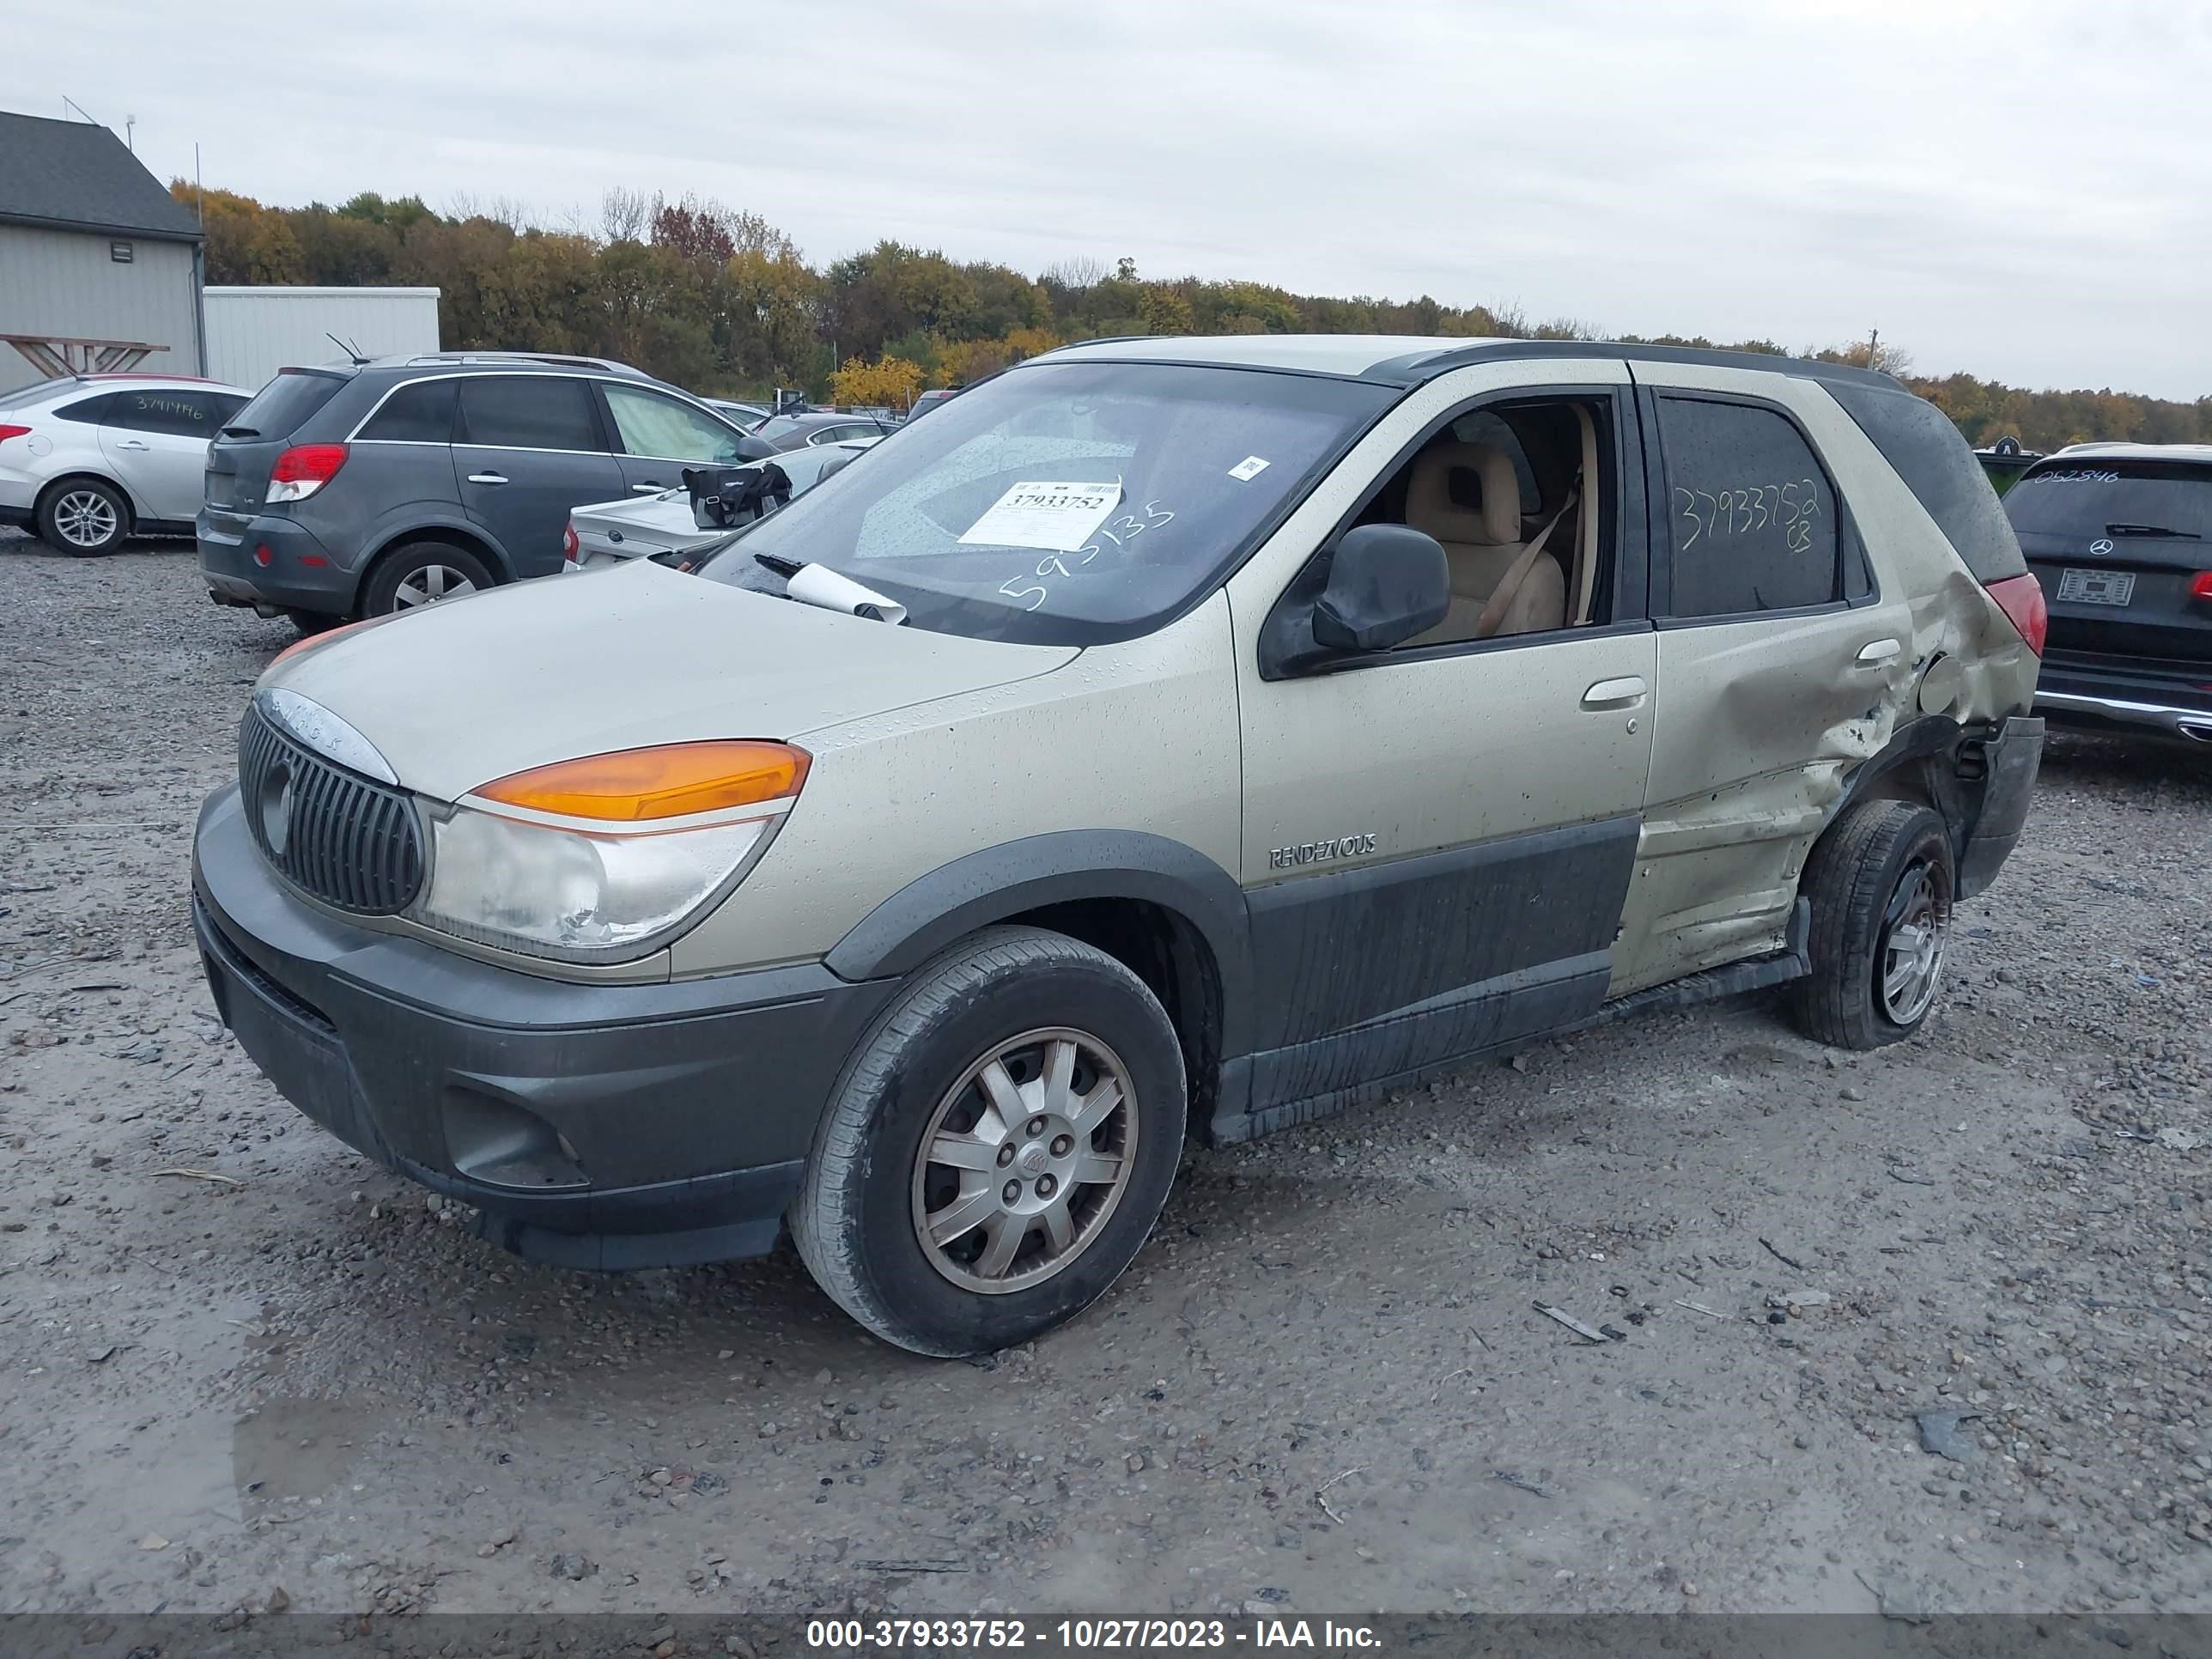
[[2151, 529], [818, 585]]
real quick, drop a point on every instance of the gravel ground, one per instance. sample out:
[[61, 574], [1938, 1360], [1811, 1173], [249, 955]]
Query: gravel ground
[[236, 1359]]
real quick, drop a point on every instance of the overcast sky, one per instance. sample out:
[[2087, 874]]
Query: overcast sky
[[2022, 189]]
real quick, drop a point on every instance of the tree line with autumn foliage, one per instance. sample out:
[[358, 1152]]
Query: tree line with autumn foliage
[[718, 300]]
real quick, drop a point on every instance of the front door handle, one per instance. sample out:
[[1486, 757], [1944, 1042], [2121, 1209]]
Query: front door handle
[[649, 488], [1624, 693], [488, 477], [128, 443], [1875, 653]]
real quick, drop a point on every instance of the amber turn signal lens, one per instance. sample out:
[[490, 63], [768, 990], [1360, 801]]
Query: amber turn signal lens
[[669, 780], [323, 638]]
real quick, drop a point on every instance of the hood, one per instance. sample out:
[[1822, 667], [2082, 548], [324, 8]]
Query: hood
[[461, 693]]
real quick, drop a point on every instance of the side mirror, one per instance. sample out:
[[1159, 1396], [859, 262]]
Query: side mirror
[[1387, 583], [750, 448]]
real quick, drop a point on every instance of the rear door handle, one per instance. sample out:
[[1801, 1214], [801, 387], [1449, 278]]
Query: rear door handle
[[487, 477], [1875, 653], [128, 443], [1624, 693]]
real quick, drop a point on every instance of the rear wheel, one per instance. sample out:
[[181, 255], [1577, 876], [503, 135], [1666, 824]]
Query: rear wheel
[[418, 573], [1881, 884], [998, 1148], [84, 516]]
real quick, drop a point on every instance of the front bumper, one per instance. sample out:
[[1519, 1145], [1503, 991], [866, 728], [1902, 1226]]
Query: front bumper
[[592, 1126], [300, 573]]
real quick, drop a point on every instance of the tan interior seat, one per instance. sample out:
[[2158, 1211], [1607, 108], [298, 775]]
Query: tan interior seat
[[1468, 496]]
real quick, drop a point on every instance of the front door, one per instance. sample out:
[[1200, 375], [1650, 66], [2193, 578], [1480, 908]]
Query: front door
[[657, 437], [1438, 839], [527, 449], [1777, 666]]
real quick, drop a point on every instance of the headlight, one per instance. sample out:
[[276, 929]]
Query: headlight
[[596, 871]]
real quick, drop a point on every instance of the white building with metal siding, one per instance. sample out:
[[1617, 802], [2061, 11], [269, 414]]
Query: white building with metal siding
[[252, 332], [93, 249]]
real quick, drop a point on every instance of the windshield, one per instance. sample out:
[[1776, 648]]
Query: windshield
[[1070, 503], [2082, 500]]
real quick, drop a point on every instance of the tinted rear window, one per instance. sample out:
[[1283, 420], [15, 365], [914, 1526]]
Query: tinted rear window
[[282, 406], [422, 413], [90, 410], [538, 411], [1939, 466], [2088, 499]]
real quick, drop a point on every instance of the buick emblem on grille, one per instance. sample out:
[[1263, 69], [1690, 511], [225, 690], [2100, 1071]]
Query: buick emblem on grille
[[274, 806]]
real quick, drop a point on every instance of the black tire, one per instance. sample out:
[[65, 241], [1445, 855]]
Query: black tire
[[407, 564], [1869, 878], [867, 1191], [312, 622], [73, 509]]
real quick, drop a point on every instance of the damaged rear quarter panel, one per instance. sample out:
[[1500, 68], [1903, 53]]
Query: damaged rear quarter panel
[[1760, 724]]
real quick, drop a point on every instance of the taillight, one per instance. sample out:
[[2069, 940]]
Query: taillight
[[8, 432], [302, 470], [569, 544], [2020, 597], [2200, 586]]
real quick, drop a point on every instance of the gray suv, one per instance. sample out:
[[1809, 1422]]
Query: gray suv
[[362, 489]]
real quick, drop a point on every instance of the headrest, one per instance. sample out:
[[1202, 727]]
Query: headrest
[[1463, 492]]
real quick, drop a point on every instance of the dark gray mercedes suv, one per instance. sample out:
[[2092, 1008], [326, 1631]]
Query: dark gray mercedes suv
[[360, 489]]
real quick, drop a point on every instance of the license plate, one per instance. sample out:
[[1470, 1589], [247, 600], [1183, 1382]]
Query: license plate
[[2096, 587], [215, 489]]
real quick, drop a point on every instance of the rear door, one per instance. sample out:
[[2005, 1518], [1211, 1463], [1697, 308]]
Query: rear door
[[2119, 544], [1777, 659], [527, 447], [659, 436], [156, 439]]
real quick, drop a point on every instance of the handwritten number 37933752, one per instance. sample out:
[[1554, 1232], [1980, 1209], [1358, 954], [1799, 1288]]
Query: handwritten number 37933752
[[1791, 506], [1120, 533]]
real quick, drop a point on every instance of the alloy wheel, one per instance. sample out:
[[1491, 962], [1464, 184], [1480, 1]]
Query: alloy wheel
[[432, 583], [85, 518], [1915, 930], [1025, 1160]]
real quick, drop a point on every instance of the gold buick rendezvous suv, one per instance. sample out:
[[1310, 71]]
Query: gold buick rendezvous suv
[[1168, 736]]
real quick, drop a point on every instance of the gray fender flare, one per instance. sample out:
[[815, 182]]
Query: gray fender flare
[[955, 899]]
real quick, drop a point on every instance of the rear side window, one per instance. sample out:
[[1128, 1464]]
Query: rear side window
[[1940, 467], [282, 406], [1751, 517], [90, 410], [419, 413], [2088, 498], [175, 413], [536, 411]]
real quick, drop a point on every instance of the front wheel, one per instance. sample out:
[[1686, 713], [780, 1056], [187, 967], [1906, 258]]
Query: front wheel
[[1881, 884], [998, 1148]]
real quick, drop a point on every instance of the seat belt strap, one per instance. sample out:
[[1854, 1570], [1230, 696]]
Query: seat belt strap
[[1501, 598]]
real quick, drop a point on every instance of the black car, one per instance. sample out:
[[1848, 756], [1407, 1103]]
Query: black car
[[2120, 536]]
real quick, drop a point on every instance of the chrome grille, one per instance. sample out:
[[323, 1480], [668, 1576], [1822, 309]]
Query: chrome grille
[[354, 844]]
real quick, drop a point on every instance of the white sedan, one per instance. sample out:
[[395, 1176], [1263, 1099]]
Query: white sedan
[[88, 460], [607, 533]]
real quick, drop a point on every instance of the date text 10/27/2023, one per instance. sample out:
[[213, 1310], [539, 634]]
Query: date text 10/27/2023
[[1086, 1635]]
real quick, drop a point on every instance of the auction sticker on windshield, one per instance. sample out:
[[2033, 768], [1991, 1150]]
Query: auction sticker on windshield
[[1058, 517]]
